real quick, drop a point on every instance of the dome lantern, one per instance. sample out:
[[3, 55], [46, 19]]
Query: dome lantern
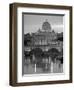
[[46, 26]]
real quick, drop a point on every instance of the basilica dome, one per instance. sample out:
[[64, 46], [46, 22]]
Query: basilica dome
[[46, 26]]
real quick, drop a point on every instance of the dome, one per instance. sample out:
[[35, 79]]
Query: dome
[[46, 26]]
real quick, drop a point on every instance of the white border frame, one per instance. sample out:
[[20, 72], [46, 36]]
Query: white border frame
[[48, 77]]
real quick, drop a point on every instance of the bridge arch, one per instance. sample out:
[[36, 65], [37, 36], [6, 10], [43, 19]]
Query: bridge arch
[[53, 50], [36, 51], [53, 53]]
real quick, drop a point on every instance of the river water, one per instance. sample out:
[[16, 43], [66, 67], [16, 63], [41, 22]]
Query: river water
[[52, 67]]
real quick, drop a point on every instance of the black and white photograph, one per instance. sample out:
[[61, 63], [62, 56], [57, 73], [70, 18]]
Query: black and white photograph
[[43, 43], [40, 44]]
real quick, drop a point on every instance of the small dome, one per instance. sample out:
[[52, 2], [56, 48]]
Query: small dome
[[46, 26]]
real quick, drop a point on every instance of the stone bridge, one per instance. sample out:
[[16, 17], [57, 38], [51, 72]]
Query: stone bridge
[[43, 47]]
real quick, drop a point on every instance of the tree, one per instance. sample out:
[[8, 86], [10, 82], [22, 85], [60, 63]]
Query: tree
[[60, 36], [53, 53], [27, 39], [60, 39], [60, 56], [36, 56]]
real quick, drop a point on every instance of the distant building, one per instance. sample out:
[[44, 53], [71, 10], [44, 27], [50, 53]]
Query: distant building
[[45, 39]]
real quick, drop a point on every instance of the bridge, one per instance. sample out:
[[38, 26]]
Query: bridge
[[44, 47]]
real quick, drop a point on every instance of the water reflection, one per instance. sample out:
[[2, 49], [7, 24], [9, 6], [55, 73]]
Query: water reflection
[[42, 65]]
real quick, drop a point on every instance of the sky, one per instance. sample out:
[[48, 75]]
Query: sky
[[33, 22]]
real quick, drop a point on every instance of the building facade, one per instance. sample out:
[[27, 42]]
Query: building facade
[[45, 39]]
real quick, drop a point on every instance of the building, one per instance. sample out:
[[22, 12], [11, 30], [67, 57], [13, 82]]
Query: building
[[45, 39]]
